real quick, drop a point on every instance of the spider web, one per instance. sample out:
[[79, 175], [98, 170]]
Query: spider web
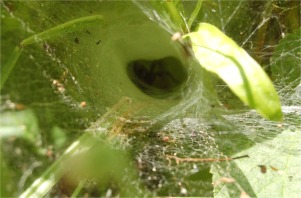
[[56, 78]]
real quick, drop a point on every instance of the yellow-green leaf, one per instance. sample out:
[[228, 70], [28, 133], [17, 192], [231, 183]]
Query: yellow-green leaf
[[219, 54]]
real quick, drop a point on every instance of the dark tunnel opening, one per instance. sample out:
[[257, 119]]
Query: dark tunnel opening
[[160, 78]]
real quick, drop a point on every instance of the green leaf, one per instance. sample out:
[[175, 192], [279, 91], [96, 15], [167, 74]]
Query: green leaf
[[221, 55], [224, 189], [281, 159]]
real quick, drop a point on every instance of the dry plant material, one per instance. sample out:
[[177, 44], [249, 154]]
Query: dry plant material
[[274, 168], [178, 159], [83, 104], [223, 180], [244, 195], [263, 168]]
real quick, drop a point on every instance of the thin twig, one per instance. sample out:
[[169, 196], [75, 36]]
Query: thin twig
[[178, 159]]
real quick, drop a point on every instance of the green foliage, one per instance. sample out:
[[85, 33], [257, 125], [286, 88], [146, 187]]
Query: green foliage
[[73, 79], [238, 185], [274, 166], [195, 13], [221, 55]]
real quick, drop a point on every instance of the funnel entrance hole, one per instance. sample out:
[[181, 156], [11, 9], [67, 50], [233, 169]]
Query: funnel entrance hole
[[161, 78]]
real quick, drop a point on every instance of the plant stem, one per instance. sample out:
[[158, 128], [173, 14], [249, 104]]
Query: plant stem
[[195, 13], [175, 15]]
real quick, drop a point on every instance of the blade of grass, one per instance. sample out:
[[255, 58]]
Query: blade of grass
[[195, 13], [78, 189], [42, 185], [64, 28]]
